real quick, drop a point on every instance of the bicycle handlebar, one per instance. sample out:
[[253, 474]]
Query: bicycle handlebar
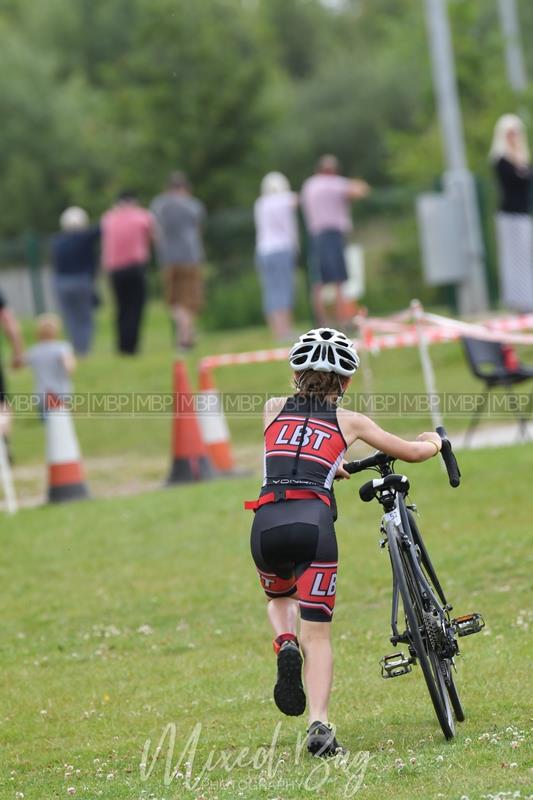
[[379, 459], [448, 456]]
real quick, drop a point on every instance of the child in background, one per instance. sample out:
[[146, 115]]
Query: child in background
[[52, 360]]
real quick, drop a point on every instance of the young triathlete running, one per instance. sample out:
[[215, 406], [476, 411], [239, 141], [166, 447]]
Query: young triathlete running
[[293, 538]]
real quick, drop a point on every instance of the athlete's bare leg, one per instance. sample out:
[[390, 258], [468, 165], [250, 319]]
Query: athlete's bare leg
[[283, 613], [286, 331], [184, 320], [280, 324], [315, 641], [340, 312]]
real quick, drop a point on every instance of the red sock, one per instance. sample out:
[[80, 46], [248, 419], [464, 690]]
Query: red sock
[[283, 637]]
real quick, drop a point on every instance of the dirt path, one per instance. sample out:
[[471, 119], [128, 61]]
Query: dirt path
[[114, 476]]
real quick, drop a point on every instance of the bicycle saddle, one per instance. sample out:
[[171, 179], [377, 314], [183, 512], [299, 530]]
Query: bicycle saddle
[[398, 483]]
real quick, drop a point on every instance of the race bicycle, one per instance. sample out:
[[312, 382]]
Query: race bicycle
[[430, 633]]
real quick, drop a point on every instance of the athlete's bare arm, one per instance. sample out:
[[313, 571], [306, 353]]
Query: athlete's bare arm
[[356, 426], [272, 408]]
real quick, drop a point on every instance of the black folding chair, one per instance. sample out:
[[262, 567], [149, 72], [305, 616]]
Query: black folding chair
[[488, 362]]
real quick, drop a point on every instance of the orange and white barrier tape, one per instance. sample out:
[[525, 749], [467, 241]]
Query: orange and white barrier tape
[[401, 332], [437, 329], [254, 357]]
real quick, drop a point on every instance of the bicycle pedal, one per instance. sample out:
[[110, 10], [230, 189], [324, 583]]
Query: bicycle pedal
[[468, 624], [394, 665]]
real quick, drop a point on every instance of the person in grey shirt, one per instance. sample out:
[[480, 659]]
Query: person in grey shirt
[[180, 251], [52, 362]]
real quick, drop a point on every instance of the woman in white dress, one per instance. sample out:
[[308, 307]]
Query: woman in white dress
[[510, 157]]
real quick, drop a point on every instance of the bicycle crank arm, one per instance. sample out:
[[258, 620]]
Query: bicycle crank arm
[[467, 624], [394, 665]]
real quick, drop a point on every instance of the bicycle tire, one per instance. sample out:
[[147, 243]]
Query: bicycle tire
[[454, 698], [428, 659], [432, 577]]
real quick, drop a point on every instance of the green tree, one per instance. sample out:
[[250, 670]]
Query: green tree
[[190, 93], [301, 34], [42, 138]]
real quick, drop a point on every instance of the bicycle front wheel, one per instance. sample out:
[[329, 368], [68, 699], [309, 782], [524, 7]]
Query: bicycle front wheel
[[413, 611]]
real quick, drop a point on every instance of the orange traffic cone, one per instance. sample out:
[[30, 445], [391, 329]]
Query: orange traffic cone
[[66, 479], [190, 461], [213, 424]]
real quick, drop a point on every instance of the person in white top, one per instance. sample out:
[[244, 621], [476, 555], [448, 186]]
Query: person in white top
[[277, 251]]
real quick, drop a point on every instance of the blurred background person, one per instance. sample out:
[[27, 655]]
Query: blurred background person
[[276, 230], [180, 250], [127, 233], [52, 361], [74, 256], [326, 201], [11, 329], [510, 157]]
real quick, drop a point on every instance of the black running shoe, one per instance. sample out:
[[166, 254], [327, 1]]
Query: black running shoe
[[289, 691], [321, 741]]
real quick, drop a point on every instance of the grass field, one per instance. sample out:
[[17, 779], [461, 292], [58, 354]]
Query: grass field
[[122, 616], [127, 617]]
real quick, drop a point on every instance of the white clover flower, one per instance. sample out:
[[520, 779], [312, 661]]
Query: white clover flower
[[146, 630]]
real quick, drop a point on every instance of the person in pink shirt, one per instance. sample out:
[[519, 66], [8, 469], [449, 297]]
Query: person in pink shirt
[[127, 233], [326, 199]]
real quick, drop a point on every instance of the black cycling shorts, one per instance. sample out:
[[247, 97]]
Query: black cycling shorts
[[295, 551]]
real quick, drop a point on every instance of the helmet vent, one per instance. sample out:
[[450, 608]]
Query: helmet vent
[[324, 350]]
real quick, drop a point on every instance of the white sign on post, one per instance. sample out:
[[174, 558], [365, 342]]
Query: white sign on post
[[440, 230]]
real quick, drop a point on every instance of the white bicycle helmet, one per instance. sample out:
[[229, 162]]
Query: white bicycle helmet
[[324, 350]]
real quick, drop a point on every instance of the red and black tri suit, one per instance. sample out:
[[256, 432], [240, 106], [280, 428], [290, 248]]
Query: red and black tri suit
[[293, 537]]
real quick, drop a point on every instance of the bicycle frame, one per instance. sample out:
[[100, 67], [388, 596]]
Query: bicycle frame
[[395, 522]]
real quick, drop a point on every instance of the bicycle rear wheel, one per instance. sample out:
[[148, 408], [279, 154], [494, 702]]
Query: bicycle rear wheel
[[454, 697], [431, 576], [413, 610]]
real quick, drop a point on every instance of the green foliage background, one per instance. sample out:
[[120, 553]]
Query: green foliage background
[[96, 96]]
